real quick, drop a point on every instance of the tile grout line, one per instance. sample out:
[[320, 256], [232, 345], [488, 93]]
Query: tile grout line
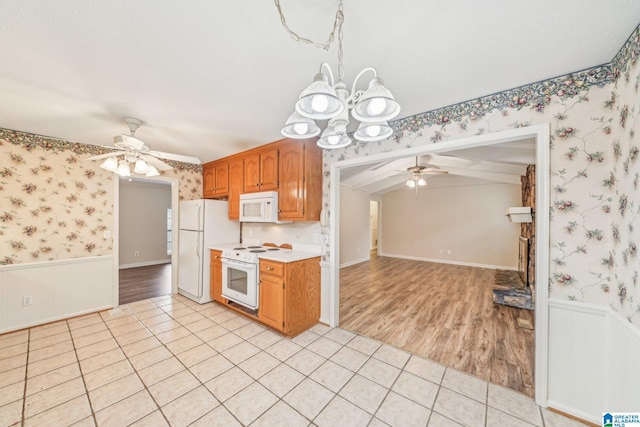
[[84, 383], [26, 377]]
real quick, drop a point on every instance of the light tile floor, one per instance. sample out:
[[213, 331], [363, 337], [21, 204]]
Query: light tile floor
[[170, 361]]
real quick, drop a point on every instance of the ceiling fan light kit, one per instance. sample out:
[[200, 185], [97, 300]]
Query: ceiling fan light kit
[[329, 99], [137, 158]]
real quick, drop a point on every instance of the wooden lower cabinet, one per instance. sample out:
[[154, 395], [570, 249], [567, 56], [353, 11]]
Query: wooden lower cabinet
[[271, 310], [290, 295], [216, 276]]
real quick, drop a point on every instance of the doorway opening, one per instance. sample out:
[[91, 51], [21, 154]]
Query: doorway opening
[[540, 136], [374, 209], [146, 261]]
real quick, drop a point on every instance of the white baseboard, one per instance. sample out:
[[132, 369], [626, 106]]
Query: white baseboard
[[146, 263], [452, 262], [55, 319], [354, 262]]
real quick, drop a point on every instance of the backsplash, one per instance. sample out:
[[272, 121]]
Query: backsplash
[[595, 204], [295, 233], [57, 206]]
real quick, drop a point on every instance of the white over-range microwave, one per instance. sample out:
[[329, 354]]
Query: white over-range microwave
[[260, 207]]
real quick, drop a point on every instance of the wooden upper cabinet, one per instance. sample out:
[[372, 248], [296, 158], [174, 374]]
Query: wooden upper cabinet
[[208, 180], [300, 190], [261, 170], [236, 183], [215, 179], [222, 178]]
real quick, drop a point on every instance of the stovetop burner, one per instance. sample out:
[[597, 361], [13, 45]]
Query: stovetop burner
[[256, 251], [273, 249], [239, 248], [254, 247]]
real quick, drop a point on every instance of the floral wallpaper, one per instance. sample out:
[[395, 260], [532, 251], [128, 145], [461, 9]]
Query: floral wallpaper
[[54, 205], [595, 170]]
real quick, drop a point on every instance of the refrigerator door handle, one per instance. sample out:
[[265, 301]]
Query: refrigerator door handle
[[198, 244], [199, 218]]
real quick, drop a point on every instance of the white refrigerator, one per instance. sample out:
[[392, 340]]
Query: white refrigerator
[[202, 223]]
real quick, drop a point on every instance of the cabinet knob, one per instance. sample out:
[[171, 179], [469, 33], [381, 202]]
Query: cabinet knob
[[269, 268], [257, 185]]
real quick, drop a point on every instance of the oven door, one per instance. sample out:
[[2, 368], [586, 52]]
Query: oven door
[[240, 282]]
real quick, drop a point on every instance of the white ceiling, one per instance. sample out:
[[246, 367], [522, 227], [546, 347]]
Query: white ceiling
[[211, 78], [502, 163]]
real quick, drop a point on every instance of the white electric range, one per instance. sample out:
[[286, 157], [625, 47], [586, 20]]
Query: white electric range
[[240, 269]]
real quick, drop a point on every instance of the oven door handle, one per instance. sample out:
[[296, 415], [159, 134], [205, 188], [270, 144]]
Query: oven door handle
[[232, 262]]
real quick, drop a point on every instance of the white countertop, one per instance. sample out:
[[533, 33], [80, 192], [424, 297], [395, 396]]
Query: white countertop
[[283, 255]]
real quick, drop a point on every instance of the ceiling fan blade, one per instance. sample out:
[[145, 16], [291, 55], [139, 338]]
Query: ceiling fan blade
[[158, 164], [435, 173], [176, 157], [104, 156]]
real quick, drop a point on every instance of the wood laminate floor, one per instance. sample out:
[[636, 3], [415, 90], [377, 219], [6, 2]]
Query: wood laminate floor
[[442, 312], [140, 283]]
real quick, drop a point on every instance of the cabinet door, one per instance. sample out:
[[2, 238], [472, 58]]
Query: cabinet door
[[208, 180], [236, 180], [216, 276], [252, 173], [222, 179], [269, 169], [271, 310], [291, 193]]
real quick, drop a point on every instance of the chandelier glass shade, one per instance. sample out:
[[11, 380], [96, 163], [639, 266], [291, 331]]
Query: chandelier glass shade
[[327, 99], [129, 166]]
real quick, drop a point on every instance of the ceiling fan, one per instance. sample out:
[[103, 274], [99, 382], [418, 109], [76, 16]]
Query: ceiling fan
[[416, 174], [136, 157]]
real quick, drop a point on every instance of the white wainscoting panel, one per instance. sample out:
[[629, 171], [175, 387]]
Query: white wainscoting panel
[[593, 360], [58, 290], [623, 351]]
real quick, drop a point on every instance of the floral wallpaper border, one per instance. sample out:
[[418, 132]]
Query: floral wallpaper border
[[29, 141]]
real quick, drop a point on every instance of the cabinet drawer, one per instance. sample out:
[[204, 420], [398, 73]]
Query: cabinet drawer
[[216, 255], [271, 267]]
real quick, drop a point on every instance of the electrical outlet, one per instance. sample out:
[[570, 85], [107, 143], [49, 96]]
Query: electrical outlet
[[325, 239], [136, 253], [448, 251], [106, 234], [27, 300]]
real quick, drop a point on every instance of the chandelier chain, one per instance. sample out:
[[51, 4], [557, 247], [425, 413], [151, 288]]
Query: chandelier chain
[[337, 26]]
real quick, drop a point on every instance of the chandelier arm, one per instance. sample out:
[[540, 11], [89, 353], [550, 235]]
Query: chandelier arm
[[324, 64], [337, 24], [355, 95]]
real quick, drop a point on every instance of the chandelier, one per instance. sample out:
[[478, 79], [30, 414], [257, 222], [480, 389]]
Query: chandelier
[[329, 99]]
